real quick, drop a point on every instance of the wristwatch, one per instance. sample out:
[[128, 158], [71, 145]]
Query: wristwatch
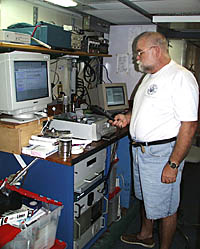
[[173, 165]]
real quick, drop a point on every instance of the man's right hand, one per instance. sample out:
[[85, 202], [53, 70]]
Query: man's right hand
[[121, 120]]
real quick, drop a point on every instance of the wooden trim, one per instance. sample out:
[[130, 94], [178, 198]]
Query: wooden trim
[[9, 46]]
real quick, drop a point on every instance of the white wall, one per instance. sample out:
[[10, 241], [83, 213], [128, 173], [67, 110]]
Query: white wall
[[120, 66], [15, 11]]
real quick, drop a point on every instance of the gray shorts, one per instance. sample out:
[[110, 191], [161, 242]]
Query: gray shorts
[[160, 199]]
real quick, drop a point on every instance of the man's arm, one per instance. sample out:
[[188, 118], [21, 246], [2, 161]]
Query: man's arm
[[184, 139]]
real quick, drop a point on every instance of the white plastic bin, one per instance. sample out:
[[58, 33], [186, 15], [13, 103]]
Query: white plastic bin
[[39, 235]]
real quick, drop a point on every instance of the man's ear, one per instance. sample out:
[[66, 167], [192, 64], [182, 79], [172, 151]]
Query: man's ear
[[158, 51]]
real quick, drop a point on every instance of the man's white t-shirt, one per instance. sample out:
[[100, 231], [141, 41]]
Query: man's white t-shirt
[[162, 101]]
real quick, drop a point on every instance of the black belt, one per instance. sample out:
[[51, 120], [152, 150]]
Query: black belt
[[164, 141]]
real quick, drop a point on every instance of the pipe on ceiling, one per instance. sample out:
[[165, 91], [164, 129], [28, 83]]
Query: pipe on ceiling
[[136, 8]]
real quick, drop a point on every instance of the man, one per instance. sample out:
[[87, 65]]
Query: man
[[162, 124]]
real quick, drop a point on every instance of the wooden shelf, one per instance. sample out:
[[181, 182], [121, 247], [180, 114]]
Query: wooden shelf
[[8, 47]]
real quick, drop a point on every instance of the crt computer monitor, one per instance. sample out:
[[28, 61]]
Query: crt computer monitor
[[113, 96], [25, 82]]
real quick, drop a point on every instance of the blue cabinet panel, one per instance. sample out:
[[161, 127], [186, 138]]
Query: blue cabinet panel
[[124, 170], [56, 181]]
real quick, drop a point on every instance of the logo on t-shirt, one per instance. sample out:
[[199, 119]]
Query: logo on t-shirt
[[152, 89]]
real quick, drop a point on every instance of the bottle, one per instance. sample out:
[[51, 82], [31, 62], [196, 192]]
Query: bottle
[[65, 104]]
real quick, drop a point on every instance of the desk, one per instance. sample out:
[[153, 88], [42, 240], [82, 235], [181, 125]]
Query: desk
[[55, 179]]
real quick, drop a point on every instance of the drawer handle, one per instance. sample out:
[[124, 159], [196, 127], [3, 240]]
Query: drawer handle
[[92, 179], [106, 211], [79, 209], [91, 162], [103, 222]]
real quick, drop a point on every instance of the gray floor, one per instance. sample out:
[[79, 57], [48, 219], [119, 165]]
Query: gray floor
[[186, 237], [188, 230]]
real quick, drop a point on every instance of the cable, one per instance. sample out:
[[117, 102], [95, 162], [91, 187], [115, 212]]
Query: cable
[[88, 97], [89, 73], [106, 73], [45, 126], [53, 84], [97, 68], [84, 81], [37, 26], [55, 73], [112, 158]]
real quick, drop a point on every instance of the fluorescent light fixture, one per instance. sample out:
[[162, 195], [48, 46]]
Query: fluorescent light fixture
[[63, 3], [157, 19]]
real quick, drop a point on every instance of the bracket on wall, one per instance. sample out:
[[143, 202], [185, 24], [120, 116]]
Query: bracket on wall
[[35, 15]]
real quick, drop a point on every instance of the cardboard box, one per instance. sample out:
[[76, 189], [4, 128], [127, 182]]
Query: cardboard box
[[15, 136]]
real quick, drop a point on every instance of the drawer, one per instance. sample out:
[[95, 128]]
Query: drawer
[[89, 169], [89, 233], [87, 201]]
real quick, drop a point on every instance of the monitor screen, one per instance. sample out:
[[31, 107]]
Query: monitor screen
[[31, 80], [115, 96], [110, 96], [25, 82]]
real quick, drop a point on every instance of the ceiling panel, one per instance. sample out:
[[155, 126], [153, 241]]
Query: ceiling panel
[[107, 6], [120, 16], [117, 12], [114, 12], [182, 7]]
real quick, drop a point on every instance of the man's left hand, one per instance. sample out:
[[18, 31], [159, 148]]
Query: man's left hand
[[169, 174]]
